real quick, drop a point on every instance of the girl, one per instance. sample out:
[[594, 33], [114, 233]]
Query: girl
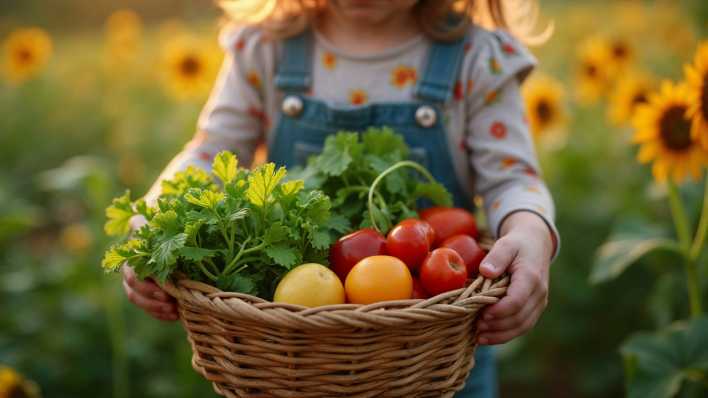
[[427, 69]]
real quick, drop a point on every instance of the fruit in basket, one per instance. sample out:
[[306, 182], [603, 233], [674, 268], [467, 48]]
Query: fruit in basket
[[418, 290], [350, 249], [310, 285], [443, 270], [410, 241], [450, 221], [378, 278], [468, 249]]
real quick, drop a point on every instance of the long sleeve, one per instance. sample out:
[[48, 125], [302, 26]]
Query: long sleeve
[[501, 150]]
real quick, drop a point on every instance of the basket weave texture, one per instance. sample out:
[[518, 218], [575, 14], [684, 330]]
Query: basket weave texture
[[250, 347]]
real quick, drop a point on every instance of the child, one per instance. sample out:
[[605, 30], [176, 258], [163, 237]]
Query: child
[[422, 67]]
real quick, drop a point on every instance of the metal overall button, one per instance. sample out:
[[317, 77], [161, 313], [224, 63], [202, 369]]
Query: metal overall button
[[292, 105], [426, 116]]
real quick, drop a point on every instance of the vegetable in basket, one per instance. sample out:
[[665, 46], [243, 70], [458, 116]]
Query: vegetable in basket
[[350, 164], [237, 229]]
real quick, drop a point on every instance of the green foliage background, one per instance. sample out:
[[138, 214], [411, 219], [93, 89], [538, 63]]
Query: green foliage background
[[77, 135]]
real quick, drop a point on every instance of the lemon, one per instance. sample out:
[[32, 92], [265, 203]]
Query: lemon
[[310, 285]]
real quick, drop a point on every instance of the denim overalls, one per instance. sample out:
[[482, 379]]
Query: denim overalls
[[305, 122]]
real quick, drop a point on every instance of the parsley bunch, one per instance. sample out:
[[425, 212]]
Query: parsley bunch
[[239, 230], [351, 162]]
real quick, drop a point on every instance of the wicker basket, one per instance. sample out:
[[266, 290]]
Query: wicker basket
[[250, 347]]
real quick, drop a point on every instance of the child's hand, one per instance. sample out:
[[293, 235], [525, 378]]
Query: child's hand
[[147, 294], [524, 251]]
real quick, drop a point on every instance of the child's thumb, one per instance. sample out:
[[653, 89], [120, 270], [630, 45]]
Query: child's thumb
[[497, 260]]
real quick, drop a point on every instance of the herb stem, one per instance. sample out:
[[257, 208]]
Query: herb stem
[[405, 163], [206, 272]]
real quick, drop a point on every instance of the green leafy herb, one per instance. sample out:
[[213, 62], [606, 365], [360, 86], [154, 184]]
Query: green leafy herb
[[349, 164], [240, 230]]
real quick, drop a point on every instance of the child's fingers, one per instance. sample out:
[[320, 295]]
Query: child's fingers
[[499, 258], [520, 290], [147, 287], [491, 338], [145, 303], [513, 321], [167, 317]]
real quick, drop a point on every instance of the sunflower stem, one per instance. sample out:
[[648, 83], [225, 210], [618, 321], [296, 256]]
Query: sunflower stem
[[700, 239], [683, 230], [694, 288], [678, 213]]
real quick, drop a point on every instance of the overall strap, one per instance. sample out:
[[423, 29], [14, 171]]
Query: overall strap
[[443, 64], [294, 69]]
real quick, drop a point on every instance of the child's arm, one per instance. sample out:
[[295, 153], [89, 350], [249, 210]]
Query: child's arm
[[518, 205], [233, 119]]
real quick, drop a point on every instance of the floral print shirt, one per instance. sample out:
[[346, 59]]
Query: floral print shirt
[[488, 134]]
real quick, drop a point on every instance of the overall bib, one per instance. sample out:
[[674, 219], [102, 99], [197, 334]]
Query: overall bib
[[305, 122]]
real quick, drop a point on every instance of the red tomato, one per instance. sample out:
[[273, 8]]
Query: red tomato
[[418, 290], [468, 249], [409, 240], [450, 221], [443, 270], [352, 248]]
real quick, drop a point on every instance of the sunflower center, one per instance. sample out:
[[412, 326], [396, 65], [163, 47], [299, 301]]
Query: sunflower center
[[704, 97], [190, 66], [639, 98], [590, 70], [24, 55], [619, 50], [675, 129], [544, 111]]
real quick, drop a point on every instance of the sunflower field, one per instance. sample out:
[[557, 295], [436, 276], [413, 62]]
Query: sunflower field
[[97, 96]]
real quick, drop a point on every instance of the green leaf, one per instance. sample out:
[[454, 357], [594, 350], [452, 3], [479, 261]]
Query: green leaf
[[276, 233], [656, 364], [436, 192], [282, 255], [320, 239], [119, 214], [292, 187], [225, 166], [113, 259], [204, 198], [196, 254], [631, 240], [238, 214], [167, 251], [167, 222], [339, 223], [236, 283], [384, 141], [336, 154], [182, 181], [262, 182]]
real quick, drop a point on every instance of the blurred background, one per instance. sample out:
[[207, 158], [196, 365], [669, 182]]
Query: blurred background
[[96, 96]]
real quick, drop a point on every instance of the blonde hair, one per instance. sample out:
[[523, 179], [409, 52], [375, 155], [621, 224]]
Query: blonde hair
[[439, 19]]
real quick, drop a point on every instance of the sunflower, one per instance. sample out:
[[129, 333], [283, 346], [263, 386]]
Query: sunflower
[[594, 70], [123, 33], [629, 92], [697, 81], [27, 51], [12, 384], [190, 68], [543, 96], [621, 54], [664, 132]]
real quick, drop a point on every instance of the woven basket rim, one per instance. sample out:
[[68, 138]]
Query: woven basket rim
[[201, 297]]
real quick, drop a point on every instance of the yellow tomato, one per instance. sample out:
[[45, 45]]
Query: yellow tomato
[[378, 278], [310, 285]]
